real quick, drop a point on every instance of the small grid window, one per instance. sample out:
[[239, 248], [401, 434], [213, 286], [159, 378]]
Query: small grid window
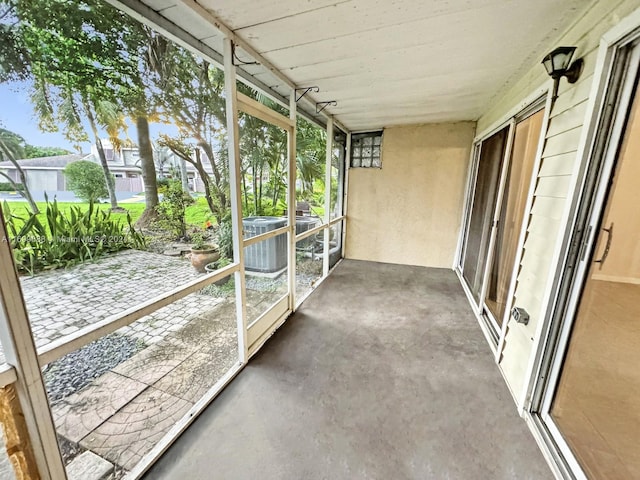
[[366, 149]]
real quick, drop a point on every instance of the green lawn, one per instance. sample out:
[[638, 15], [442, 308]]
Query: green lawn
[[196, 214]]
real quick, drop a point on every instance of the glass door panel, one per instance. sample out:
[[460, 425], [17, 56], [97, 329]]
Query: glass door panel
[[266, 276], [309, 252], [337, 173], [264, 180], [337, 192], [482, 210], [597, 403], [311, 154], [335, 244], [525, 146]]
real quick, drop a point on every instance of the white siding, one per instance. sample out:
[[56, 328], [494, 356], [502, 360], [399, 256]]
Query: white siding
[[555, 177]]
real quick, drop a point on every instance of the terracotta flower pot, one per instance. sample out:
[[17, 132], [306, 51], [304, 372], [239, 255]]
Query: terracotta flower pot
[[201, 257]]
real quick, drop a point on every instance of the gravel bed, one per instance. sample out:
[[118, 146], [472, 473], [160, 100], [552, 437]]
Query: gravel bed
[[77, 369], [266, 285], [259, 284]]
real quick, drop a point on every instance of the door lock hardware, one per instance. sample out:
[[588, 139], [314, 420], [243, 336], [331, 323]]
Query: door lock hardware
[[607, 247], [520, 315]]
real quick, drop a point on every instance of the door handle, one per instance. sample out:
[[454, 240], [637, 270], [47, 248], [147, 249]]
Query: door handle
[[607, 247]]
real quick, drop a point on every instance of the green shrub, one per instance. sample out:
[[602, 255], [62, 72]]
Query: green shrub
[[66, 239], [86, 180], [171, 211], [200, 241], [9, 187], [318, 199], [163, 185], [266, 207], [277, 210], [224, 238]]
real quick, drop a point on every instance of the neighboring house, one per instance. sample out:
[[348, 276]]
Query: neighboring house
[[168, 165], [44, 173], [124, 164], [47, 173]]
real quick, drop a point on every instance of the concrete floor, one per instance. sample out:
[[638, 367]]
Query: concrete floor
[[383, 373]]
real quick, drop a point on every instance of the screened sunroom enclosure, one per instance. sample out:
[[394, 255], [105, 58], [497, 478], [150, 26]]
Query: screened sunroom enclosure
[[219, 320], [454, 263]]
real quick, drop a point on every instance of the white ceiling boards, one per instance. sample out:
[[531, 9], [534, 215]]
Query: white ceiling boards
[[391, 62]]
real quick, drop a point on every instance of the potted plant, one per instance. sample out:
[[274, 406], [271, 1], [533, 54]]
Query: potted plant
[[202, 253], [217, 265]]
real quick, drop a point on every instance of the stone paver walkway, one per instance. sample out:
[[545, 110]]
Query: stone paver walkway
[[188, 346], [62, 302], [122, 414]]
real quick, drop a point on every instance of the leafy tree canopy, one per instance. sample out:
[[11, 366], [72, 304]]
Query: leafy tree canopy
[[20, 149], [73, 43], [311, 144], [75, 54], [35, 151], [12, 146]]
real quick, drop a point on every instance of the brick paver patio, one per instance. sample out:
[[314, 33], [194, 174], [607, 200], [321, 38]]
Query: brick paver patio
[[197, 329], [187, 347], [122, 414], [63, 301]]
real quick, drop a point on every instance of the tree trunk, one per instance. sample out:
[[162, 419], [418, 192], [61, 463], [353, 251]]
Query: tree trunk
[[148, 173], [275, 182], [184, 176], [217, 176], [208, 151], [254, 181], [207, 184], [111, 182], [260, 188], [203, 175], [244, 190], [207, 193]]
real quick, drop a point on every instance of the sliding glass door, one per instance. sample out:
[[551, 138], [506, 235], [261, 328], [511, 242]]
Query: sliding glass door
[[520, 169], [482, 209], [596, 406], [496, 211]]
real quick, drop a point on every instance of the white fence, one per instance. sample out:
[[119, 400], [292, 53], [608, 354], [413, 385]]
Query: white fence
[[129, 185]]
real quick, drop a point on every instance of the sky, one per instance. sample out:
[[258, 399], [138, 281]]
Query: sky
[[17, 115]]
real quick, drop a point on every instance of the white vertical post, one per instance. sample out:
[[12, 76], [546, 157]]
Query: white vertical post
[[20, 352], [345, 197], [236, 201], [291, 199], [327, 197]]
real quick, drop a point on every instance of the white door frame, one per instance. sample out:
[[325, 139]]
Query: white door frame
[[488, 326], [491, 328], [258, 331]]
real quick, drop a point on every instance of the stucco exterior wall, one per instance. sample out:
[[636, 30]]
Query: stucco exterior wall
[[409, 212]]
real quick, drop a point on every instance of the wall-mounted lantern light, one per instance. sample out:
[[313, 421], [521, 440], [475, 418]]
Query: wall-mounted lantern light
[[558, 65]]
